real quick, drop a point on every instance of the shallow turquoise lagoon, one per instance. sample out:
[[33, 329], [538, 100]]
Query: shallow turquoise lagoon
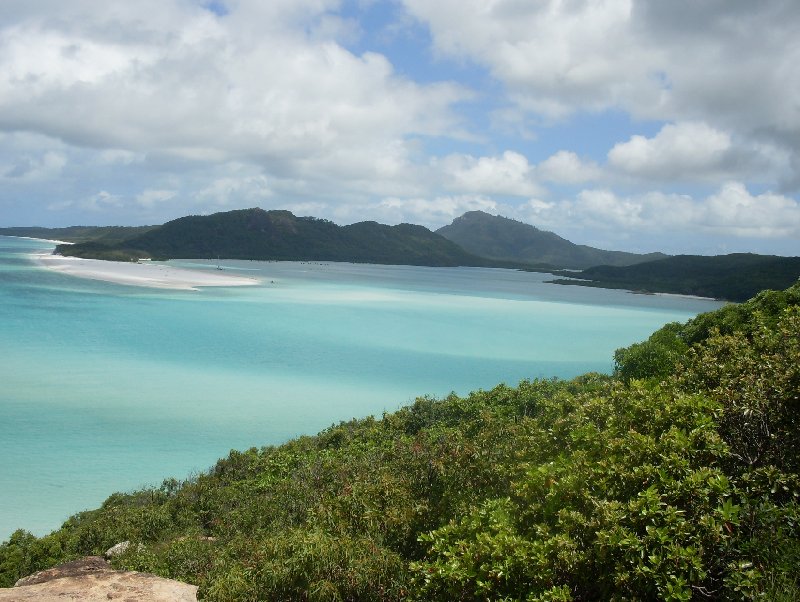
[[108, 388]]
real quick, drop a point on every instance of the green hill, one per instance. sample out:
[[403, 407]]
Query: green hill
[[280, 235], [734, 277], [677, 479], [109, 235], [502, 238]]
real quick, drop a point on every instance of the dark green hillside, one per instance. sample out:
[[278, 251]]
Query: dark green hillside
[[734, 277], [378, 243], [241, 234], [109, 235], [279, 235], [674, 479], [502, 238]]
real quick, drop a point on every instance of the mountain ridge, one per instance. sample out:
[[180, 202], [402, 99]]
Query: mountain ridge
[[502, 238], [280, 235]]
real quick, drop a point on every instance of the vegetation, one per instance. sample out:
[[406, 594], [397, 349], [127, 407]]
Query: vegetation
[[674, 479], [502, 238], [279, 235], [98, 250], [108, 235], [735, 277]]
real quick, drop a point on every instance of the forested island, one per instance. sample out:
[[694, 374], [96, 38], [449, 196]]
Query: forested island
[[675, 478], [734, 277], [281, 236], [108, 235], [475, 239]]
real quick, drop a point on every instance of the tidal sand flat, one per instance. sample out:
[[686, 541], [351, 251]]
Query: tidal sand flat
[[109, 388], [149, 274]]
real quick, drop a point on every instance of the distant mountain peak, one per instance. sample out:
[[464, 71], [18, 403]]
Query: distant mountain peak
[[503, 238]]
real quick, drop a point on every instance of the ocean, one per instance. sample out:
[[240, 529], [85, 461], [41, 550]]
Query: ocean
[[106, 387]]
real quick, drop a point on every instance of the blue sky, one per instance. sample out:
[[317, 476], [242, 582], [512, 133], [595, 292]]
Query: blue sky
[[639, 126]]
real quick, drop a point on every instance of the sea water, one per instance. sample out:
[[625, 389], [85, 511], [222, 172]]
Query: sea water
[[107, 387]]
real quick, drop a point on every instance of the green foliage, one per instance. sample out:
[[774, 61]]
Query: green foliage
[[735, 277], [99, 250], [757, 380], [676, 479], [661, 355], [308, 564], [108, 235], [762, 311], [656, 357], [21, 555], [616, 499], [744, 356]]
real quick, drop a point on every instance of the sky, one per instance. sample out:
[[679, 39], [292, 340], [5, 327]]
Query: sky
[[645, 125]]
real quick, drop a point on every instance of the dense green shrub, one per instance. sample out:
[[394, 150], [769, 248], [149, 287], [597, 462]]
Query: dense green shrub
[[656, 357], [756, 378]]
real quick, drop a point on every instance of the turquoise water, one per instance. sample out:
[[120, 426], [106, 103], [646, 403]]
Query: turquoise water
[[108, 388]]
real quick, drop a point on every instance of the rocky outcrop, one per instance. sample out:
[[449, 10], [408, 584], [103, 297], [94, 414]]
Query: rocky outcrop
[[120, 549], [92, 579]]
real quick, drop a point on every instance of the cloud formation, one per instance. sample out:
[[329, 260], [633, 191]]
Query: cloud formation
[[679, 151], [680, 60], [138, 112], [509, 174], [659, 218], [567, 168]]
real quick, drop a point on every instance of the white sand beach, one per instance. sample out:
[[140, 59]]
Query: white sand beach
[[154, 275]]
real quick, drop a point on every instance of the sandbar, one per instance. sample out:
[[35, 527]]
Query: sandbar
[[149, 274]]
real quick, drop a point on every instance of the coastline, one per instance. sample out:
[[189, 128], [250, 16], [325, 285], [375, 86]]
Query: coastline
[[630, 289], [52, 240], [150, 275], [682, 296]]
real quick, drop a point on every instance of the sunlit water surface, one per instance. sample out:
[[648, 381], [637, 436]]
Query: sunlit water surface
[[107, 388]]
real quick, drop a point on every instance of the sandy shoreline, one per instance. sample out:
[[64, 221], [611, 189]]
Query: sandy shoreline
[[153, 275], [52, 240]]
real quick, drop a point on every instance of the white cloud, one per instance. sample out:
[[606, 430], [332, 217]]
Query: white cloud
[[508, 174], [604, 207], [225, 191], [679, 151], [553, 56], [732, 211], [735, 210], [567, 168], [537, 211], [732, 66], [171, 78], [150, 197]]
